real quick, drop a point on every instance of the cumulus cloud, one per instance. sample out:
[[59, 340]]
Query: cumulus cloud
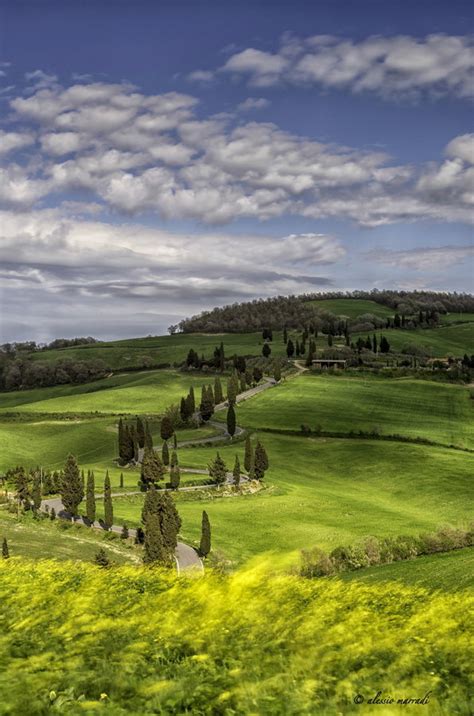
[[152, 153], [389, 66], [11, 141], [252, 103]]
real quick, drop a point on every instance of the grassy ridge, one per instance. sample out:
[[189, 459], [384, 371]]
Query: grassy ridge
[[147, 392], [438, 342], [325, 493], [440, 412], [446, 571], [140, 642]]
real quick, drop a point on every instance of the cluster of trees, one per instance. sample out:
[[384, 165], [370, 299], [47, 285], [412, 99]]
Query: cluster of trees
[[161, 525], [50, 481], [131, 438], [374, 551], [255, 463], [218, 360], [22, 372], [297, 312], [31, 346]]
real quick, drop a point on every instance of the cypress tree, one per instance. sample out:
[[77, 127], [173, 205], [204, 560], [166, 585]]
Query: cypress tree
[[243, 383], [36, 491], [90, 497], [72, 490], [101, 558], [329, 340], [277, 370], [166, 428], [139, 536], [52, 514], [108, 505], [148, 437], [221, 358], [231, 421], [124, 534], [368, 344], [121, 480], [218, 394], [154, 549], [236, 471], [183, 410], [205, 543], [218, 470], [165, 454], [248, 453], [140, 432], [175, 473], [290, 348], [175, 441], [121, 448], [192, 400], [162, 505], [128, 445], [309, 359], [261, 461], [206, 407], [136, 446], [5, 550], [266, 350], [152, 469]]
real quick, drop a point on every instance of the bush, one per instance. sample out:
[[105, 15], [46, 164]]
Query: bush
[[316, 563]]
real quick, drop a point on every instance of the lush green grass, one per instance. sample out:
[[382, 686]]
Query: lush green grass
[[440, 412], [457, 318], [326, 492], [353, 307], [42, 539], [150, 392], [162, 349], [446, 571], [77, 639], [438, 342]]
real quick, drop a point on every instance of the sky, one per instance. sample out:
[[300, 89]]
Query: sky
[[162, 158]]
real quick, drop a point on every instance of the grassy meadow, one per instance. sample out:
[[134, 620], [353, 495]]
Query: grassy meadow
[[137, 641], [324, 492], [446, 340], [414, 408]]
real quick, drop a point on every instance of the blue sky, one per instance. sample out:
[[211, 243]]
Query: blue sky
[[158, 158]]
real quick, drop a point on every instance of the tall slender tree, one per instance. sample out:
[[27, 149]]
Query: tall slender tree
[[261, 461], [108, 505], [175, 473], [71, 489], [166, 427], [36, 491], [205, 543], [231, 421], [218, 394], [218, 470], [140, 431], [90, 497], [165, 454], [152, 469], [154, 550], [148, 436], [248, 453], [5, 550], [236, 472]]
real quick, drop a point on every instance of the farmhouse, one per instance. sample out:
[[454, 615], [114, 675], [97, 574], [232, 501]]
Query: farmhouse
[[329, 363]]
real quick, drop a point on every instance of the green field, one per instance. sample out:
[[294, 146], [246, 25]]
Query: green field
[[46, 540], [325, 492], [137, 641], [150, 392], [129, 353], [457, 318], [414, 408], [438, 342], [353, 307], [445, 571]]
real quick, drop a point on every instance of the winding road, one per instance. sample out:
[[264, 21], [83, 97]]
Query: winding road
[[187, 558]]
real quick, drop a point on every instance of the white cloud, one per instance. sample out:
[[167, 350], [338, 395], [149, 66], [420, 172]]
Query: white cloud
[[252, 103], [424, 259], [11, 141], [390, 66], [152, 153], [202, 76]]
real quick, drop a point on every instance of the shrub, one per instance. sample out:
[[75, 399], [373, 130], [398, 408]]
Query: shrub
[[316, 563]]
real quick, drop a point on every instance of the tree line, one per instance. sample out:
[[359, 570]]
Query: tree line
[[23, 373]]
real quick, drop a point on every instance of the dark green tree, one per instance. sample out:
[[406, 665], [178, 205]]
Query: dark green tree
[[36, 491], [261, 461], [206, 407], [90, 497], [277, 370], [329, 340], [248, 454], [374, 343], [205, 543], [175, 473], [124, 533], [101, 558], [236, 472], [72, 490], [192, 401], [52, 514], [140, 432], [231, 421], [5, 550], [166, 428], [148, 436], [152, 469], [108, 505], [218, 394], [165, 454], [290, 349], [218, 470], [162, 504], [121, 480], [384, 345], [266, 350], [154, 549]]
